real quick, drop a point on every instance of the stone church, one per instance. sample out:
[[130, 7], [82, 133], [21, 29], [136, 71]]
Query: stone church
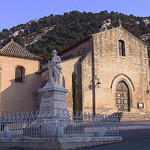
[[116, 59], [112, 69]]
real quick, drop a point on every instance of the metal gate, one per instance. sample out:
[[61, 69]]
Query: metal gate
[[122, 96]]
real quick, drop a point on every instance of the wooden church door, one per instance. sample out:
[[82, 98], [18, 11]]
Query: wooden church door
[[122, 96]]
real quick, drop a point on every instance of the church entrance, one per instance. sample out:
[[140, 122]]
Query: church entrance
[[122, 96]]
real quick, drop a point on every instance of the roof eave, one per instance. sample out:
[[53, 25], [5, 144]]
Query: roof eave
[[75, 45], [134, 36], [24, 57]]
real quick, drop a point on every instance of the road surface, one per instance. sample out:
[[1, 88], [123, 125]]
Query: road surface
[[136, 136]]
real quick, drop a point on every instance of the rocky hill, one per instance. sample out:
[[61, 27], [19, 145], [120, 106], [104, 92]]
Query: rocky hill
[[61, 31]]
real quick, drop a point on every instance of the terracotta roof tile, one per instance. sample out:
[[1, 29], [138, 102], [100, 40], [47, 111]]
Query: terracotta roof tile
[[13, 49]]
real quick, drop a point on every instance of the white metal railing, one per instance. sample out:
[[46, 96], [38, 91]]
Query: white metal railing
[[57, 123]]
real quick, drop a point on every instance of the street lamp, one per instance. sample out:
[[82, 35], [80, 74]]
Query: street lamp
[[98, 84], [147, 91]]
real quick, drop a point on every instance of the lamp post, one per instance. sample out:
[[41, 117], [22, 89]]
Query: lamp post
[[98, 84]]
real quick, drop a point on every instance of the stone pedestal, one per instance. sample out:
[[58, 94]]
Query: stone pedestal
[[53, 115], [53, 98]]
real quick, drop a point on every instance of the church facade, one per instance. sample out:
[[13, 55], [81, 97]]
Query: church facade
[[119, 61]]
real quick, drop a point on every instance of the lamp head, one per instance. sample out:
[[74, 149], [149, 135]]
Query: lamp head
[[98, 84]]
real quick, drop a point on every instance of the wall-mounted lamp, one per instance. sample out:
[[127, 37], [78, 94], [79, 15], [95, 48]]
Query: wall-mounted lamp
[[97, 84], [94, 83], [147, 91]]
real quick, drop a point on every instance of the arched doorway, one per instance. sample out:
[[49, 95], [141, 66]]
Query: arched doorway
[[122, 96]]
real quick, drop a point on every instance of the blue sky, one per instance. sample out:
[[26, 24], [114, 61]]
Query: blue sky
[[15, 12]]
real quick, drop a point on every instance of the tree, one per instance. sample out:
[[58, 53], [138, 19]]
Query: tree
[[75, 93], [65, 30]]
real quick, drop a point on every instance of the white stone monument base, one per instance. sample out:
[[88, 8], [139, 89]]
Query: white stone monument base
[[53, 115], [47, 128], [53, 97]]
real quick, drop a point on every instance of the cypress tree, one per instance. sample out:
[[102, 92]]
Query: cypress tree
[[74, 93]]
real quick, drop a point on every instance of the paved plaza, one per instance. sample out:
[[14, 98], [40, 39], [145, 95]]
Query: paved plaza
[[136, 136]]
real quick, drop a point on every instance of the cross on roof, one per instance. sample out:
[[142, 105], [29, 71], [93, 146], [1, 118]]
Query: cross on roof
[[120, 25]]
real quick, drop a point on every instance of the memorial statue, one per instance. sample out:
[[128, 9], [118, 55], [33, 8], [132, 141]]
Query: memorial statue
[[106, 24], [54, 68]]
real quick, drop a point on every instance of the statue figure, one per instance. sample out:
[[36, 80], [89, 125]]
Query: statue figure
[[120, 25], [54, 68], [106, 24]]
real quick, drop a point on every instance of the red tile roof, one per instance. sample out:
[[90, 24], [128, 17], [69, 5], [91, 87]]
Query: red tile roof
[[13, 49]]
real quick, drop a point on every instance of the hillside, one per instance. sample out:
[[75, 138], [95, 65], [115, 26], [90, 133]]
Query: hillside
[[61, 31]]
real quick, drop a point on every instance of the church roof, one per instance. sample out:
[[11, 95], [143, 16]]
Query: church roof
[[75, 45], [13, 49]]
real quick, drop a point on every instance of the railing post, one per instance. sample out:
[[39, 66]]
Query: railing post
[[0, 123], [117, 125]]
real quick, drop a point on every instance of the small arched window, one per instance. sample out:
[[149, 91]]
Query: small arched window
[[121, 44], [19, 74]]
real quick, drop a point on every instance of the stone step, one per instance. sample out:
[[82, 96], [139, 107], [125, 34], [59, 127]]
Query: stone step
[[128, 116]]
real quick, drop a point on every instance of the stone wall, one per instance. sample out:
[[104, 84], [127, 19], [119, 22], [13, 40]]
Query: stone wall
[[86, 84], [15, 96], [68, 67]]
